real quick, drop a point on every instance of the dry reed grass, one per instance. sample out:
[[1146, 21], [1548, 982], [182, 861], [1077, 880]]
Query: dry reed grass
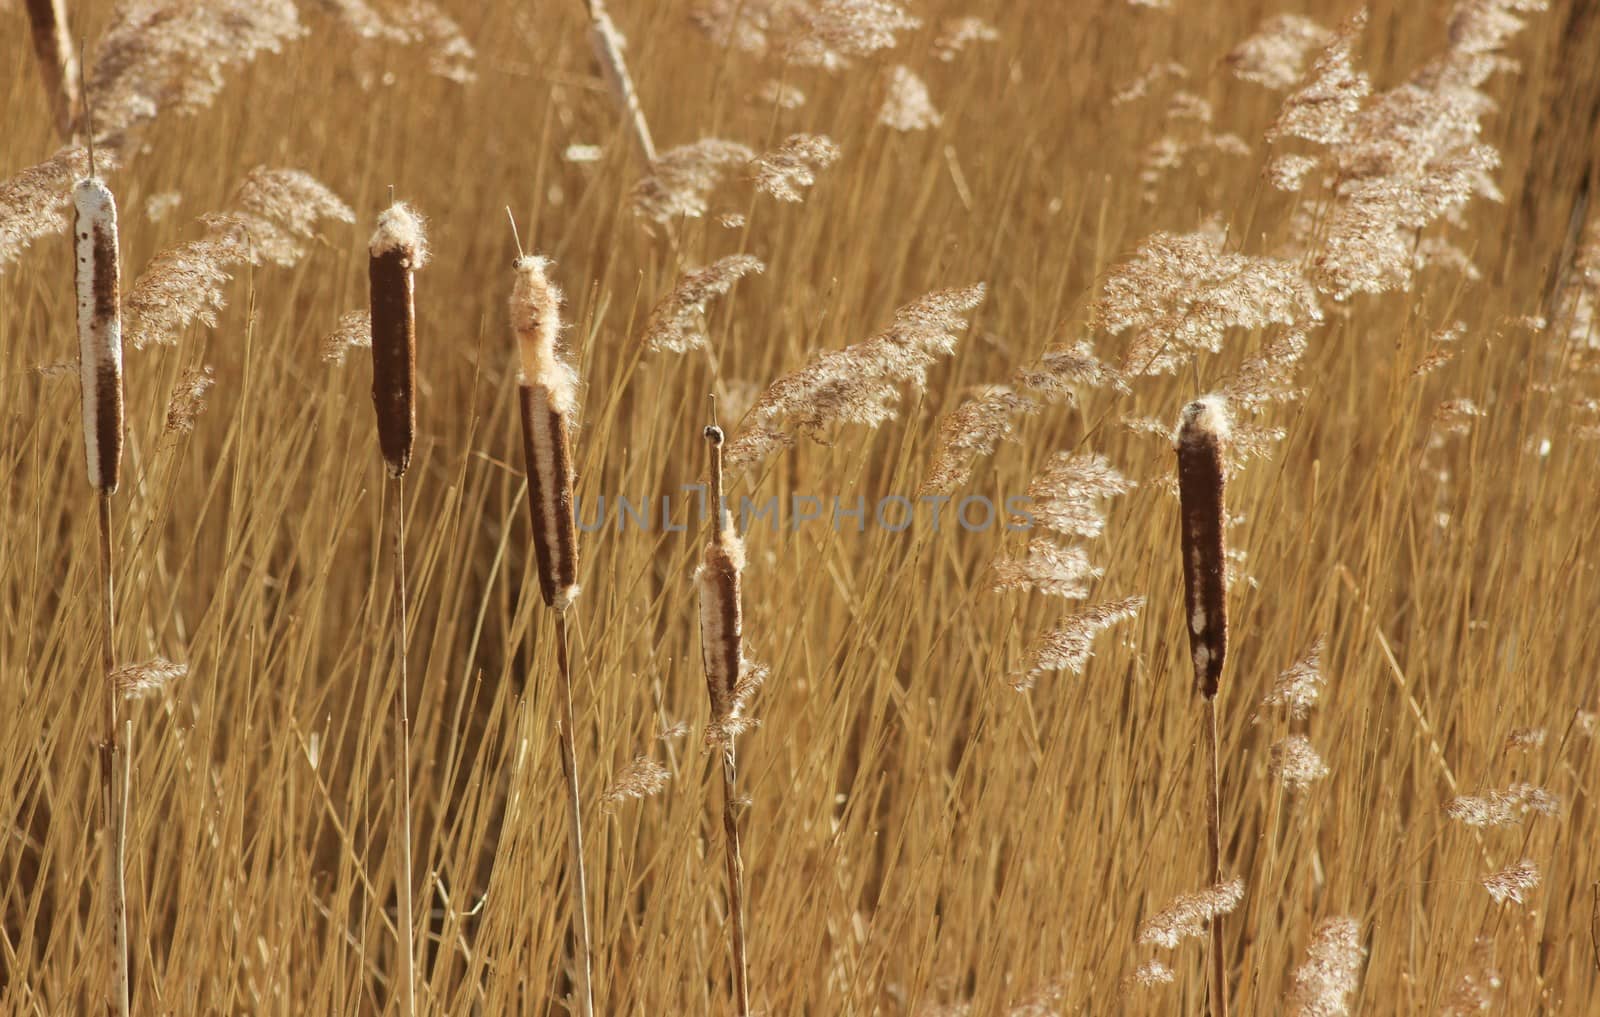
[[921, 838]]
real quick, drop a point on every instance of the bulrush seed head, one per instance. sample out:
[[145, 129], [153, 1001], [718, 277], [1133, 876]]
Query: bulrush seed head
[[547, 393], [398, 248], [1201, 442], [99, 330]]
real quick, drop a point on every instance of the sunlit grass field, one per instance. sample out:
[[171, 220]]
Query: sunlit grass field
[[921, 836]]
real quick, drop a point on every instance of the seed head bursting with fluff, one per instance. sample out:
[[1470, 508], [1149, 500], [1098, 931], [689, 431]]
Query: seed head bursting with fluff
[[547, 390]]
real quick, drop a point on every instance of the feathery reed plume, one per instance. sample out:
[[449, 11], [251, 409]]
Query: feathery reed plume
[[1478, 984], [58, 65], [608, 45], [858, 384], [547, 395], [171, 54], [681, 179], [678, 322], [412, 23], [808, 33], [397, 249], [639, 779], [722, 653], [100, 370], [907, 106], [788, 169], [1295, 761], [1051, 568], [1069, 645], [955, 34], [1181, 293], [188, 400], [1201, 442], [1274, 56], [1513, 882], [352, 331], [33, 202], [1186, 916], [1503, 808], [1298, 688], [272, 213], [973, 430], [1152, 973], [1067, 494], [137, 681], [1323, 984]]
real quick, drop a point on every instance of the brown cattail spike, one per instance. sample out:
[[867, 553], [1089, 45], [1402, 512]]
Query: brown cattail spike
[[721, 608], [99, 330], [398, 249], [547, 393], [1201, 444]]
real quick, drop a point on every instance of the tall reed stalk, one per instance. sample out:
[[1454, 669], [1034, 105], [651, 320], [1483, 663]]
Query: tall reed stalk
[[100, 372], [722, 653], [58, 66], [547, 397], [607, 43], [1201, 443], [398, 248]]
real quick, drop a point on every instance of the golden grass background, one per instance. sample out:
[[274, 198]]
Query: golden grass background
[[919, 834]]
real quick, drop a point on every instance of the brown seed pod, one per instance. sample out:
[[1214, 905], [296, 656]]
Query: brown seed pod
[[547, 394], [1201, 443], [99, 330], [398, 248]]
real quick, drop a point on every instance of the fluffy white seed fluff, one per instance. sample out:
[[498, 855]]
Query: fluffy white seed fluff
[[535, 315], [401, 229], [1206, 416]]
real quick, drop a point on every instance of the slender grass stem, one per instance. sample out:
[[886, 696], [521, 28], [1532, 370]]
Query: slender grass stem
[[578, 883], [402, 737], [113, 777]]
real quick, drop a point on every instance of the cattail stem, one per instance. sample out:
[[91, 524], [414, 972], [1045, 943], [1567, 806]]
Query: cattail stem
[[1201, 443], [735, 866], [402, 737], [578, 883], [1219, 964], [113, 777], [58, 66], [547, 400], [397, 249]]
